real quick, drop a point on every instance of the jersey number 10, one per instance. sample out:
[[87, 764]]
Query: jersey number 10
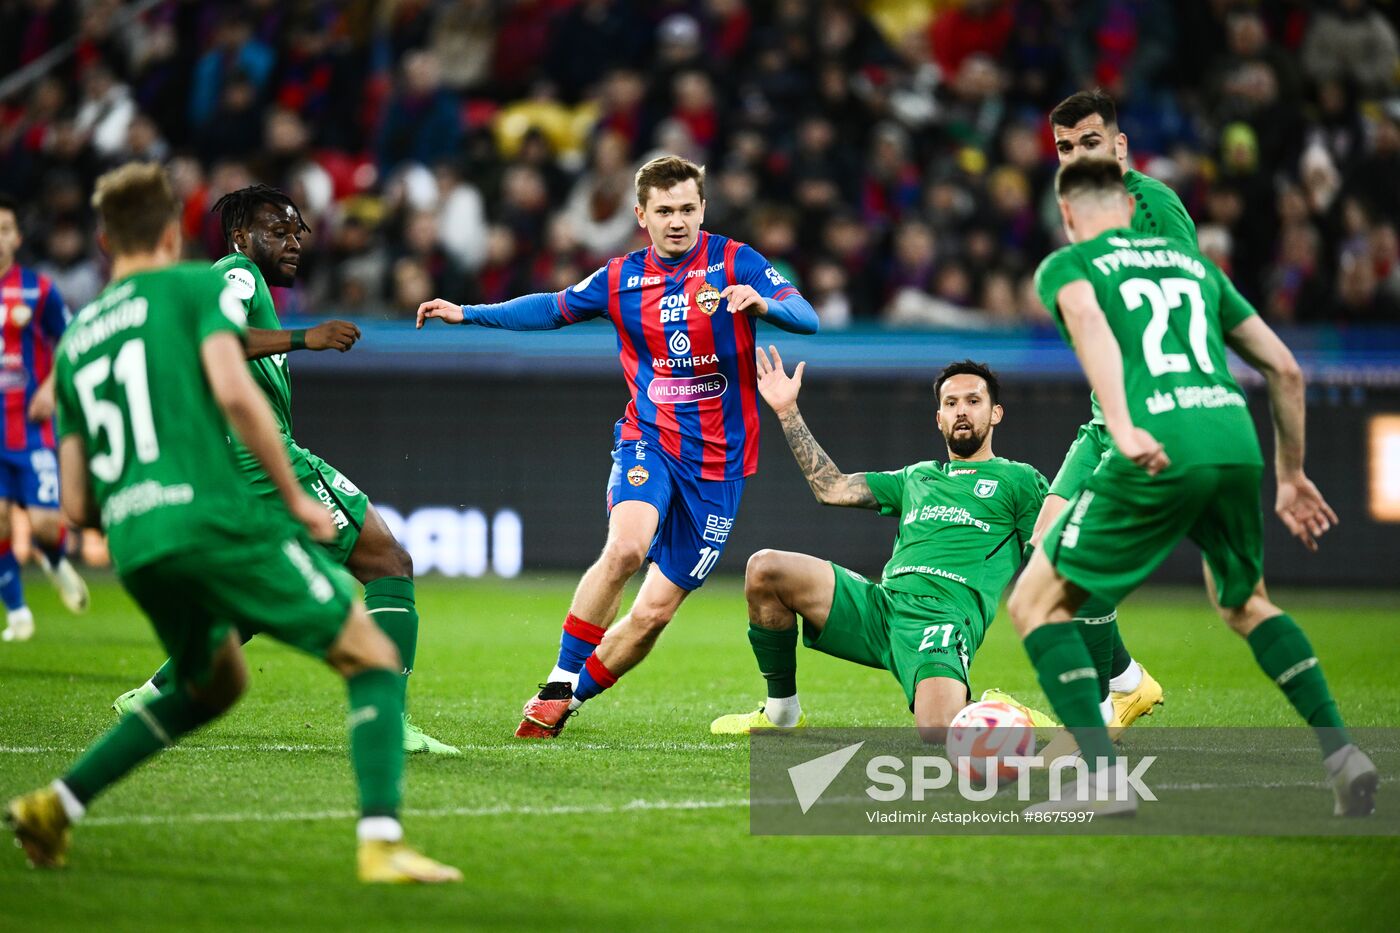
[[1164, 297], [105, 416]]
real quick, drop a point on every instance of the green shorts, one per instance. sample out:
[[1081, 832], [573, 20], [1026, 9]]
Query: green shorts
[[284, 587], [1124, 523], [1090, 446], [912, 637], [342, 498]]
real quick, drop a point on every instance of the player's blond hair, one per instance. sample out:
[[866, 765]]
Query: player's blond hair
[[664, 173], [135, 203]]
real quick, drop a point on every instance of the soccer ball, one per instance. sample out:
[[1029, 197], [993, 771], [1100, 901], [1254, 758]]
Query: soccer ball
[[989, 730]]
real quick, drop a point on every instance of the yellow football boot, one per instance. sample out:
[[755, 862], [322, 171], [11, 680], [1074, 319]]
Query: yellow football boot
[[1038, 719], [1127, 707], [383, 862], [747, 723], [41, 826]]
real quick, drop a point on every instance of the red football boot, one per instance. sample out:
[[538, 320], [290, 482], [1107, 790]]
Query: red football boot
[[546, 712]]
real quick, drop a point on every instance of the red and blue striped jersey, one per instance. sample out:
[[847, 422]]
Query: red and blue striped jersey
[[34, 318], [689, 362]]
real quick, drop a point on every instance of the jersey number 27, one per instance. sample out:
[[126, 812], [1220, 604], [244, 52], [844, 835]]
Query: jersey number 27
[[1164, 297]]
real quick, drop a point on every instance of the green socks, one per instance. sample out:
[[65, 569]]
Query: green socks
[[1121, 658], [139, 735], [1098, 624], [776, 652], [1098, 640], [376, 739], [390, 603], [1284, 653], [1071, 683], [163, 674]]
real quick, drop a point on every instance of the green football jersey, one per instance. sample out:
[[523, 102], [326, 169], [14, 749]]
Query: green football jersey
[[1169, 308], [1157, 211], [963, 527], [270, 372], [131, 383]]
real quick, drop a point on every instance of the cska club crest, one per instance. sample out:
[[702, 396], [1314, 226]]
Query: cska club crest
[[21, 315], [707, 298], [638, 475]]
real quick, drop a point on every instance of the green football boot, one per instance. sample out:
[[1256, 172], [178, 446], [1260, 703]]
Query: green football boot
[[415, 741]]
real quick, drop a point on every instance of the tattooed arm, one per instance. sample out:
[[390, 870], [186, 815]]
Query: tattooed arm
[[829, 485]]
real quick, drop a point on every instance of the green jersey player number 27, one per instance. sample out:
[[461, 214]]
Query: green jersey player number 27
[[1150, 319]]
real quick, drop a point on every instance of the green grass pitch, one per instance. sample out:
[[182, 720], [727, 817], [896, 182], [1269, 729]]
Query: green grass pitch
[[636, 818]]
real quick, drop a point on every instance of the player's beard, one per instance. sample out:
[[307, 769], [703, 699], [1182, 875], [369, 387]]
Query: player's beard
[[274, 275], [967, 443], [271, 268]]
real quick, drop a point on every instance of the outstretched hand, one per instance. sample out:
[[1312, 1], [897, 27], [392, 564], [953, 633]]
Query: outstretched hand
[[440, 309], [1303, 510], [778, 389]]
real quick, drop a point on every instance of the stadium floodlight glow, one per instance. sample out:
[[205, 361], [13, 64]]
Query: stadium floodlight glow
[[1385, 468]]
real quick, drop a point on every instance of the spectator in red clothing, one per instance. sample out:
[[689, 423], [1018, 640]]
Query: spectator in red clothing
[[697, 109], [727, 23], [1297, 289], [522, 42], [620, 104], [891, 186], [976, 26]]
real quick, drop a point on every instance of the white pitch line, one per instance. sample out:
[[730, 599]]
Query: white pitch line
[[510, 748], [633, 806]]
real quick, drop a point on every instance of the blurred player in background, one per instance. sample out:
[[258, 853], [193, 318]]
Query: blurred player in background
[[33, 317], [152, 381], [683, 310], [263, 229], [1150, 319], [1085, 126], [963, 527]]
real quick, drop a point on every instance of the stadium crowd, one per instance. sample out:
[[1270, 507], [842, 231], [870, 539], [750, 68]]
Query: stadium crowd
[[892, 156]]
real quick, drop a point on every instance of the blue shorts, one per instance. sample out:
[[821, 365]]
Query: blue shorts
[[29, 477], [696, 514]]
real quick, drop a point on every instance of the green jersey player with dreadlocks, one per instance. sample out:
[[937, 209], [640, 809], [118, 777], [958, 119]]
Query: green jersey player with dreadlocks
[[263, 228]]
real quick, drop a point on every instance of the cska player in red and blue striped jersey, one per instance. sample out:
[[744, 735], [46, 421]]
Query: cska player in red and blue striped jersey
[[684, 310], [32, 319]]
